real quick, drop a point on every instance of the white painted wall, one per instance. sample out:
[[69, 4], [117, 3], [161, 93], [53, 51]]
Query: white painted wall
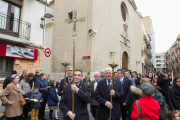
[[31, 12], [47, 61]]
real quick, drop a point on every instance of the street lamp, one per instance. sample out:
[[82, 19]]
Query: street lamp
[[42, 25], [47, 15]]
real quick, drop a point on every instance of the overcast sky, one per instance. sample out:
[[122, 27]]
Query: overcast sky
[[165, 16]]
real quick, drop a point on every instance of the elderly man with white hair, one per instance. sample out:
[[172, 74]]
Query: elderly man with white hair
[[103, 96], [94, 103], [102, 74]]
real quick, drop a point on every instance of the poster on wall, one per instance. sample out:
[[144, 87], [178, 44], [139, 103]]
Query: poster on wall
[[15, 51], [18, 52]]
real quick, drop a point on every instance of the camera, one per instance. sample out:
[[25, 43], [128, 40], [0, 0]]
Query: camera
[[91, 31]]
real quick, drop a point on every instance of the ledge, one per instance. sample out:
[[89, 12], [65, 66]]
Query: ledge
[[14, 39]]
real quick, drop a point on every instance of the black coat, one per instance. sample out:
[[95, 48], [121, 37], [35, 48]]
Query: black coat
[[164, 84], [20, 78], [37, 77], [137, 81], [81, 99], [103, 95], [174, 100], [126, 88], [62, 86], [93, 102], [134, 95], [7, 81]]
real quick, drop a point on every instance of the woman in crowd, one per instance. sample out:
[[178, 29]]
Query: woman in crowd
[[150, 77], [174, 94], [10, 96], [134, 94], [27, 86]]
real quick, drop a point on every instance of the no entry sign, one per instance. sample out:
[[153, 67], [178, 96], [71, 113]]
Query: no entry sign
[[47, 52]]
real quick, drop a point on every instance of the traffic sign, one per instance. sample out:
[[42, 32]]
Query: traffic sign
[[47, 52]]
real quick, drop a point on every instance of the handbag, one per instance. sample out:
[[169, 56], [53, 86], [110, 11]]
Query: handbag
[[139, 109], [22, 101]]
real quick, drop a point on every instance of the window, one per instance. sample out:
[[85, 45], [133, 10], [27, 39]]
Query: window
[[6, 66], [9, 16], [70, 15], [124, 11], [3, 14]]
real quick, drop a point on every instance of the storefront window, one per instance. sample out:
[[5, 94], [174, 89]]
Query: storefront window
[[6, 66]]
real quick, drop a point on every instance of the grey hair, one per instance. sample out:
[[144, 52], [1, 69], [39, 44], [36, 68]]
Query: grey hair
[[121, 70], [24, 71], [108, 69], [102, 70], [13, 76], [68, 67], [97, 73]]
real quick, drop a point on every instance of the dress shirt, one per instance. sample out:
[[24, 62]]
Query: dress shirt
[[108, 82], [122, 79], [95, 84]]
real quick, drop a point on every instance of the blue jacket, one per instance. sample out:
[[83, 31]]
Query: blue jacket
[[52, 97], [37, 96], [42, 84]]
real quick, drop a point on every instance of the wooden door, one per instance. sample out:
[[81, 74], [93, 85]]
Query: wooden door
[[125, 61]]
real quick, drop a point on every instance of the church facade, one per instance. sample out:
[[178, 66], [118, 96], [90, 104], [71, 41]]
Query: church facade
[[117, 30]]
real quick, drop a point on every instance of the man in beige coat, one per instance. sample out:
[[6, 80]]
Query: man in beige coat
[[10, 96]]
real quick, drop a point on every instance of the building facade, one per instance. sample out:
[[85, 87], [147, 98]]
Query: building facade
[[151, 34], [118, 29], [172, 57], [21, 37], [160, 61]]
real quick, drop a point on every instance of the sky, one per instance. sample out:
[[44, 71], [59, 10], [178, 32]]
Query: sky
[[165, 16]]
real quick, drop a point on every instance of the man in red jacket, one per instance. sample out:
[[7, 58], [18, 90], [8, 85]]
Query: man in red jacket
[[150, 108]]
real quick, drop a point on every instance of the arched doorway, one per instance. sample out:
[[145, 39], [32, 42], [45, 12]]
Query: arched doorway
[[125, 61]]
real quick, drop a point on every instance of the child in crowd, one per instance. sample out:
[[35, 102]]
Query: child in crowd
[[36, 98], [172, 115], [52, 99]]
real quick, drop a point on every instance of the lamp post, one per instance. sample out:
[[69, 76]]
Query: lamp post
[[42, 25]]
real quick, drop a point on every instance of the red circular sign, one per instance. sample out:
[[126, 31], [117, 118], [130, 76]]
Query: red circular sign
[[47, 52]]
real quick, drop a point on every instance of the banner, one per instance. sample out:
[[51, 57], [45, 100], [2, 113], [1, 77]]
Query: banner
[[12, 51]]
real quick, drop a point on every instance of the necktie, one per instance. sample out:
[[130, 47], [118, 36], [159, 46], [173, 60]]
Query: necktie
[[69, 81], [109, 85]]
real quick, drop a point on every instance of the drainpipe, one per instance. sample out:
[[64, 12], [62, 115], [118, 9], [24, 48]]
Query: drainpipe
[[44, 25]]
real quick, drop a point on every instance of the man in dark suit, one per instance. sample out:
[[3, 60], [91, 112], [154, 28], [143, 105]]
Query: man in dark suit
[[81, 99], [103, 95], [94, 103], [126, 83], [135, 78], [68, 80]]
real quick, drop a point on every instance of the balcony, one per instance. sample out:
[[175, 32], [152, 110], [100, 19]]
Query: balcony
[[14, 27], [145, 48]]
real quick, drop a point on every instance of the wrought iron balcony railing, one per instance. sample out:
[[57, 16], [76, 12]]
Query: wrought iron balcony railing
[[14, 27]]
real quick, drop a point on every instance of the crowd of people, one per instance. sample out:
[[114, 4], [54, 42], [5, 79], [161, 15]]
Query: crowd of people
[[134, 96]]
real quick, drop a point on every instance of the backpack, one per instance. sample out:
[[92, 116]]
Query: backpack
[[139, 109]]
